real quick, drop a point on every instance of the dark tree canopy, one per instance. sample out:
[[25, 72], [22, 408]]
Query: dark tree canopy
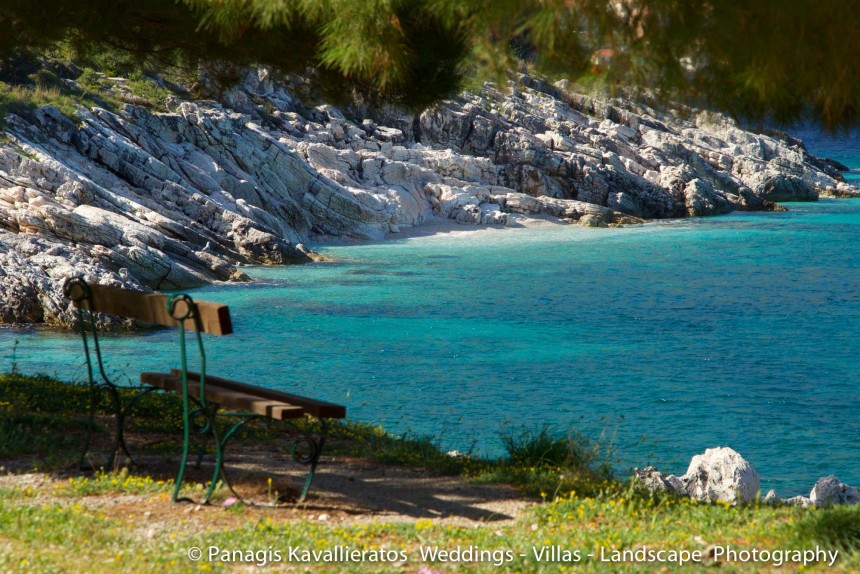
[[774, 59], [419, 64]]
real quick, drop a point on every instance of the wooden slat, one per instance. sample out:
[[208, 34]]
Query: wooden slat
[[319, 409], [227, 398], [152, 307]]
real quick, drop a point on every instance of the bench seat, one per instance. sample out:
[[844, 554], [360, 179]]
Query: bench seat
[[312, 407], [227, 398]]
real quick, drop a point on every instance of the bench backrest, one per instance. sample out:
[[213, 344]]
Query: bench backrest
[[149, 307]]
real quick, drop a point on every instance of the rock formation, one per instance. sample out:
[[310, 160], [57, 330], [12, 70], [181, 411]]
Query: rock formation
[[721, 474], [830, 490], [176, 199]]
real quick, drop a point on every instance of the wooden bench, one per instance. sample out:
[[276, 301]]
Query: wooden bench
[[202, 394]]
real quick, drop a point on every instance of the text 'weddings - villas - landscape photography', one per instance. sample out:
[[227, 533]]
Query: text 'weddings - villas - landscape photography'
[[429, 286]]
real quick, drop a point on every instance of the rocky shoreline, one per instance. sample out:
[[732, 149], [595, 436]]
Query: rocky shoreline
[[720, 474], [180, 198]]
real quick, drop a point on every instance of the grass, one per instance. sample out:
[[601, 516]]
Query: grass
[[94, 86], [23, 100], [590, 530], [136, 89], [40, 418], [584, 519], [120, 482]]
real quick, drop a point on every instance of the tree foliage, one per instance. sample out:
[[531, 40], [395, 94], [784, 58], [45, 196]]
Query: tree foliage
[[775, 59], [781, 59]]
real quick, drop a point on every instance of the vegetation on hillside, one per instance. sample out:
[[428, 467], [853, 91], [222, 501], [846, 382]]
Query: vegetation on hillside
[[775, 59]]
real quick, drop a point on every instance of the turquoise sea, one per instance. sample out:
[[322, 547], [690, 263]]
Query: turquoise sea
[[667, 338]]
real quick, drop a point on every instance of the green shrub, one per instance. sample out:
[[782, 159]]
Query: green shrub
[[47, 80], [541, 447], [90, 80], [837, 527], [546, 447], [547, 463]]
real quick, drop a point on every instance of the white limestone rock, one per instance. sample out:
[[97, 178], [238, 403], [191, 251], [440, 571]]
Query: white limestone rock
[[650, 478], [845, 190], [701, 199], [801, 501], [654, 481], [721, 474], [829, 491], [590, 220]]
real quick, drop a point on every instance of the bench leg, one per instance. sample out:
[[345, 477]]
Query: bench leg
[[311, 472], [314, 445], [220, 446], [91, 424], [120, 412], [311, 458], [208, 428], [201, 452], [218, 471], [186, 437], [204, 430]]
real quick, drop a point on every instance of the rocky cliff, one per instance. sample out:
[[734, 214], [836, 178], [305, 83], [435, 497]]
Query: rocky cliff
[[178, 198]]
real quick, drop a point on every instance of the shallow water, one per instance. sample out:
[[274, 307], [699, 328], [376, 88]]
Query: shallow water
[[670, 337]]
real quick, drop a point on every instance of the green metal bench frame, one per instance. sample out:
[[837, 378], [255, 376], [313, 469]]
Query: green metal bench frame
[[181, 311]]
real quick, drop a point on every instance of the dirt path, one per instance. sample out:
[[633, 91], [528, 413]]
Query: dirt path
[[345, 490], [368, 491]]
